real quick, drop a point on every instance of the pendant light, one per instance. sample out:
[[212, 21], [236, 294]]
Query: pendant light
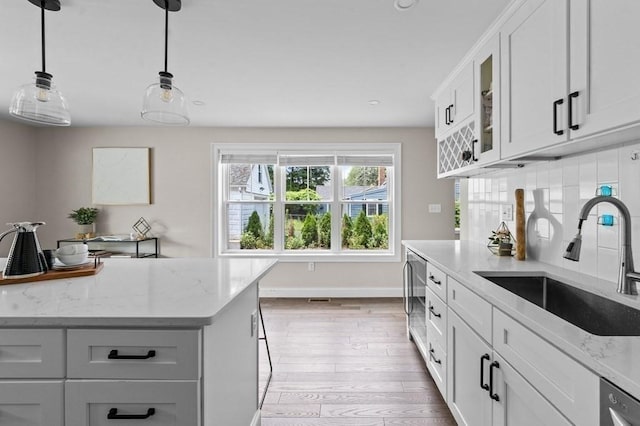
[[40, 102], [163, 102]]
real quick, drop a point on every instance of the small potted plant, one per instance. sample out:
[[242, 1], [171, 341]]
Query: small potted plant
[[501, 241], [85, 217]]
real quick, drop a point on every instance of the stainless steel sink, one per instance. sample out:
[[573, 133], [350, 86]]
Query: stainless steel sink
[[592, 313]]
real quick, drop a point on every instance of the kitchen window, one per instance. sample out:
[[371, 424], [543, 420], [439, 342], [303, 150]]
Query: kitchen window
[[304, 204]]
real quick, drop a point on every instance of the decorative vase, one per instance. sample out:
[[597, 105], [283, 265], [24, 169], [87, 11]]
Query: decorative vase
[[86, 231]]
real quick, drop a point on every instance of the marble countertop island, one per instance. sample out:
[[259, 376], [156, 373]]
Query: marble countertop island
[[616, 358], [178, 292]]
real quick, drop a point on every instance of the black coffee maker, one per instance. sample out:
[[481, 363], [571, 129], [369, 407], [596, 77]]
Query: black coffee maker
[[25, 257]]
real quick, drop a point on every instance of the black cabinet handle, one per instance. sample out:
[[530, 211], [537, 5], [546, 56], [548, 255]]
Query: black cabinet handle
[[493, 396], [433, 280], [555, 117], [473, 150], [483, 385], [114, 355], [113, 415], [570, 100], [433, 358], [432, 312], [410, 289], [450, 119]]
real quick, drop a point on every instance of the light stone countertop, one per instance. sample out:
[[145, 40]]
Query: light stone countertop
[[615, 358], [176, 292]]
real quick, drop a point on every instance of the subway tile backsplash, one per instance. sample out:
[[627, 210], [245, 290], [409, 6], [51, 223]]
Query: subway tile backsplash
[[555, 191]]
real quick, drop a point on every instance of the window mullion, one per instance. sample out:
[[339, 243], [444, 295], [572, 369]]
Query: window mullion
[[336, 211], [278, 210]]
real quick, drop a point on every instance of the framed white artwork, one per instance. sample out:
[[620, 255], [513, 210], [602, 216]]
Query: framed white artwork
[[121, 176]]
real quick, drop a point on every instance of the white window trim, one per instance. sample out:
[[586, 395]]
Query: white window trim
[[393, 254]]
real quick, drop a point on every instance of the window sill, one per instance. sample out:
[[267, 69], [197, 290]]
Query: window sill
[[359, 257]]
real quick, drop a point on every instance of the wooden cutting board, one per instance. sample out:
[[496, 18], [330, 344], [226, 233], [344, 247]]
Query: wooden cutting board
[[56, 275]]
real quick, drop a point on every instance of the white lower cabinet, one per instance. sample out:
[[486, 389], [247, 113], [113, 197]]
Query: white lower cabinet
[[32, 403], [485, 390], [127, 402], [516, 402], [469, 358]]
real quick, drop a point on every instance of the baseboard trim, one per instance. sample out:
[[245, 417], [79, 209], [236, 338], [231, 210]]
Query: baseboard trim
[[331, 292], [256, 421]]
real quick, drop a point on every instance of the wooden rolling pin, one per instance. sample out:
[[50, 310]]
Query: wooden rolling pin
[[521, 246]]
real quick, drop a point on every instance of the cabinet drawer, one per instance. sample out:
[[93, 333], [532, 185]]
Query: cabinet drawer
[[437, 281], [31, 403], [26, 353], [166, 403], [437, 365], [571, 387], [133, 354], [473, 309], [436, 318]]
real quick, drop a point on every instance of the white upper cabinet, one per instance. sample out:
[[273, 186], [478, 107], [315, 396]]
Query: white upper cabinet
[[486, 146], [534, 71], [605, 66], [455, 103]]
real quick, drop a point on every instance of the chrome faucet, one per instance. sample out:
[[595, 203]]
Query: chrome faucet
[[627, 276]]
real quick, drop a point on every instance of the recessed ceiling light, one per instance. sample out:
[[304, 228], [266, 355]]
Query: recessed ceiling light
[[199, 103], [374, 102], [404, 4]]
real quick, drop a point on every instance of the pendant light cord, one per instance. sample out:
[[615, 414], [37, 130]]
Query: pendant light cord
[[166, 32], [44, 63]]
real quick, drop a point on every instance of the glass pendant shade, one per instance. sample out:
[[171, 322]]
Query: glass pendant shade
[[164, 103], [40, 102]]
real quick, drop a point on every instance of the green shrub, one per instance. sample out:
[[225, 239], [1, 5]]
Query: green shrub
[[347, 226], [248, 241], [254, 227], [310, 230], [362, 232], [293, 243], [380, 238], [268, 237], [325, 230]]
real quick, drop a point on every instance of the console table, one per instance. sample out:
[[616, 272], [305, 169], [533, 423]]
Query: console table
[[149, 243]]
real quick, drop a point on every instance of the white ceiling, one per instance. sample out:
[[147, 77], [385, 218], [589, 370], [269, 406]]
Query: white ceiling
[[291, 63]]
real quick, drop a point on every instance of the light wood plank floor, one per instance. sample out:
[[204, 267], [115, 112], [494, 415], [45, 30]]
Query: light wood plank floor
[[345, 362]]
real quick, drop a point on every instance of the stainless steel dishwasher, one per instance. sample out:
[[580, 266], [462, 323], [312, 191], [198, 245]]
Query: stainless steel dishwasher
[[617, 407]]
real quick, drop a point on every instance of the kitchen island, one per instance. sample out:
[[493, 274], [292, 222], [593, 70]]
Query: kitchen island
[[169, 340]]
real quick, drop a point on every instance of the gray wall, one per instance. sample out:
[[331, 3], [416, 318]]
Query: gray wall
[[17, 178], [181, 209]]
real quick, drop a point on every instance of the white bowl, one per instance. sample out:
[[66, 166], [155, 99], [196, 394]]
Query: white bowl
[[73, 259], [72, 249]]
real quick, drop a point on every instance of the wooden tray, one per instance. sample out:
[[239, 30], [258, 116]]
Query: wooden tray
[[92, 269]]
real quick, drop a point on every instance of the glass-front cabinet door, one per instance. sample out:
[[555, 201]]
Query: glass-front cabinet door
[[487, 144], [417, 299]]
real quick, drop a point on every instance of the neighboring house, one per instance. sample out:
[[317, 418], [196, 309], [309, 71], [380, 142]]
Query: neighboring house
[[247, 182], [369, 194]]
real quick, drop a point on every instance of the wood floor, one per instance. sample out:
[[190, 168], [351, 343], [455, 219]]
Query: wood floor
[[345, 362]]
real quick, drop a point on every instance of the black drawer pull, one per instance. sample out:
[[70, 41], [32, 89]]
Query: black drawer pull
[[434, 312], [113, 415], [433, 358], [433, 280], [483, 385], [555, 117], [114, 355], [450, 119], [493, 396]]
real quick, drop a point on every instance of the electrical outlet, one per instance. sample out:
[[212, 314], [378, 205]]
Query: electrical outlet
[[311, 267], [506, 212], [435, 208]]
